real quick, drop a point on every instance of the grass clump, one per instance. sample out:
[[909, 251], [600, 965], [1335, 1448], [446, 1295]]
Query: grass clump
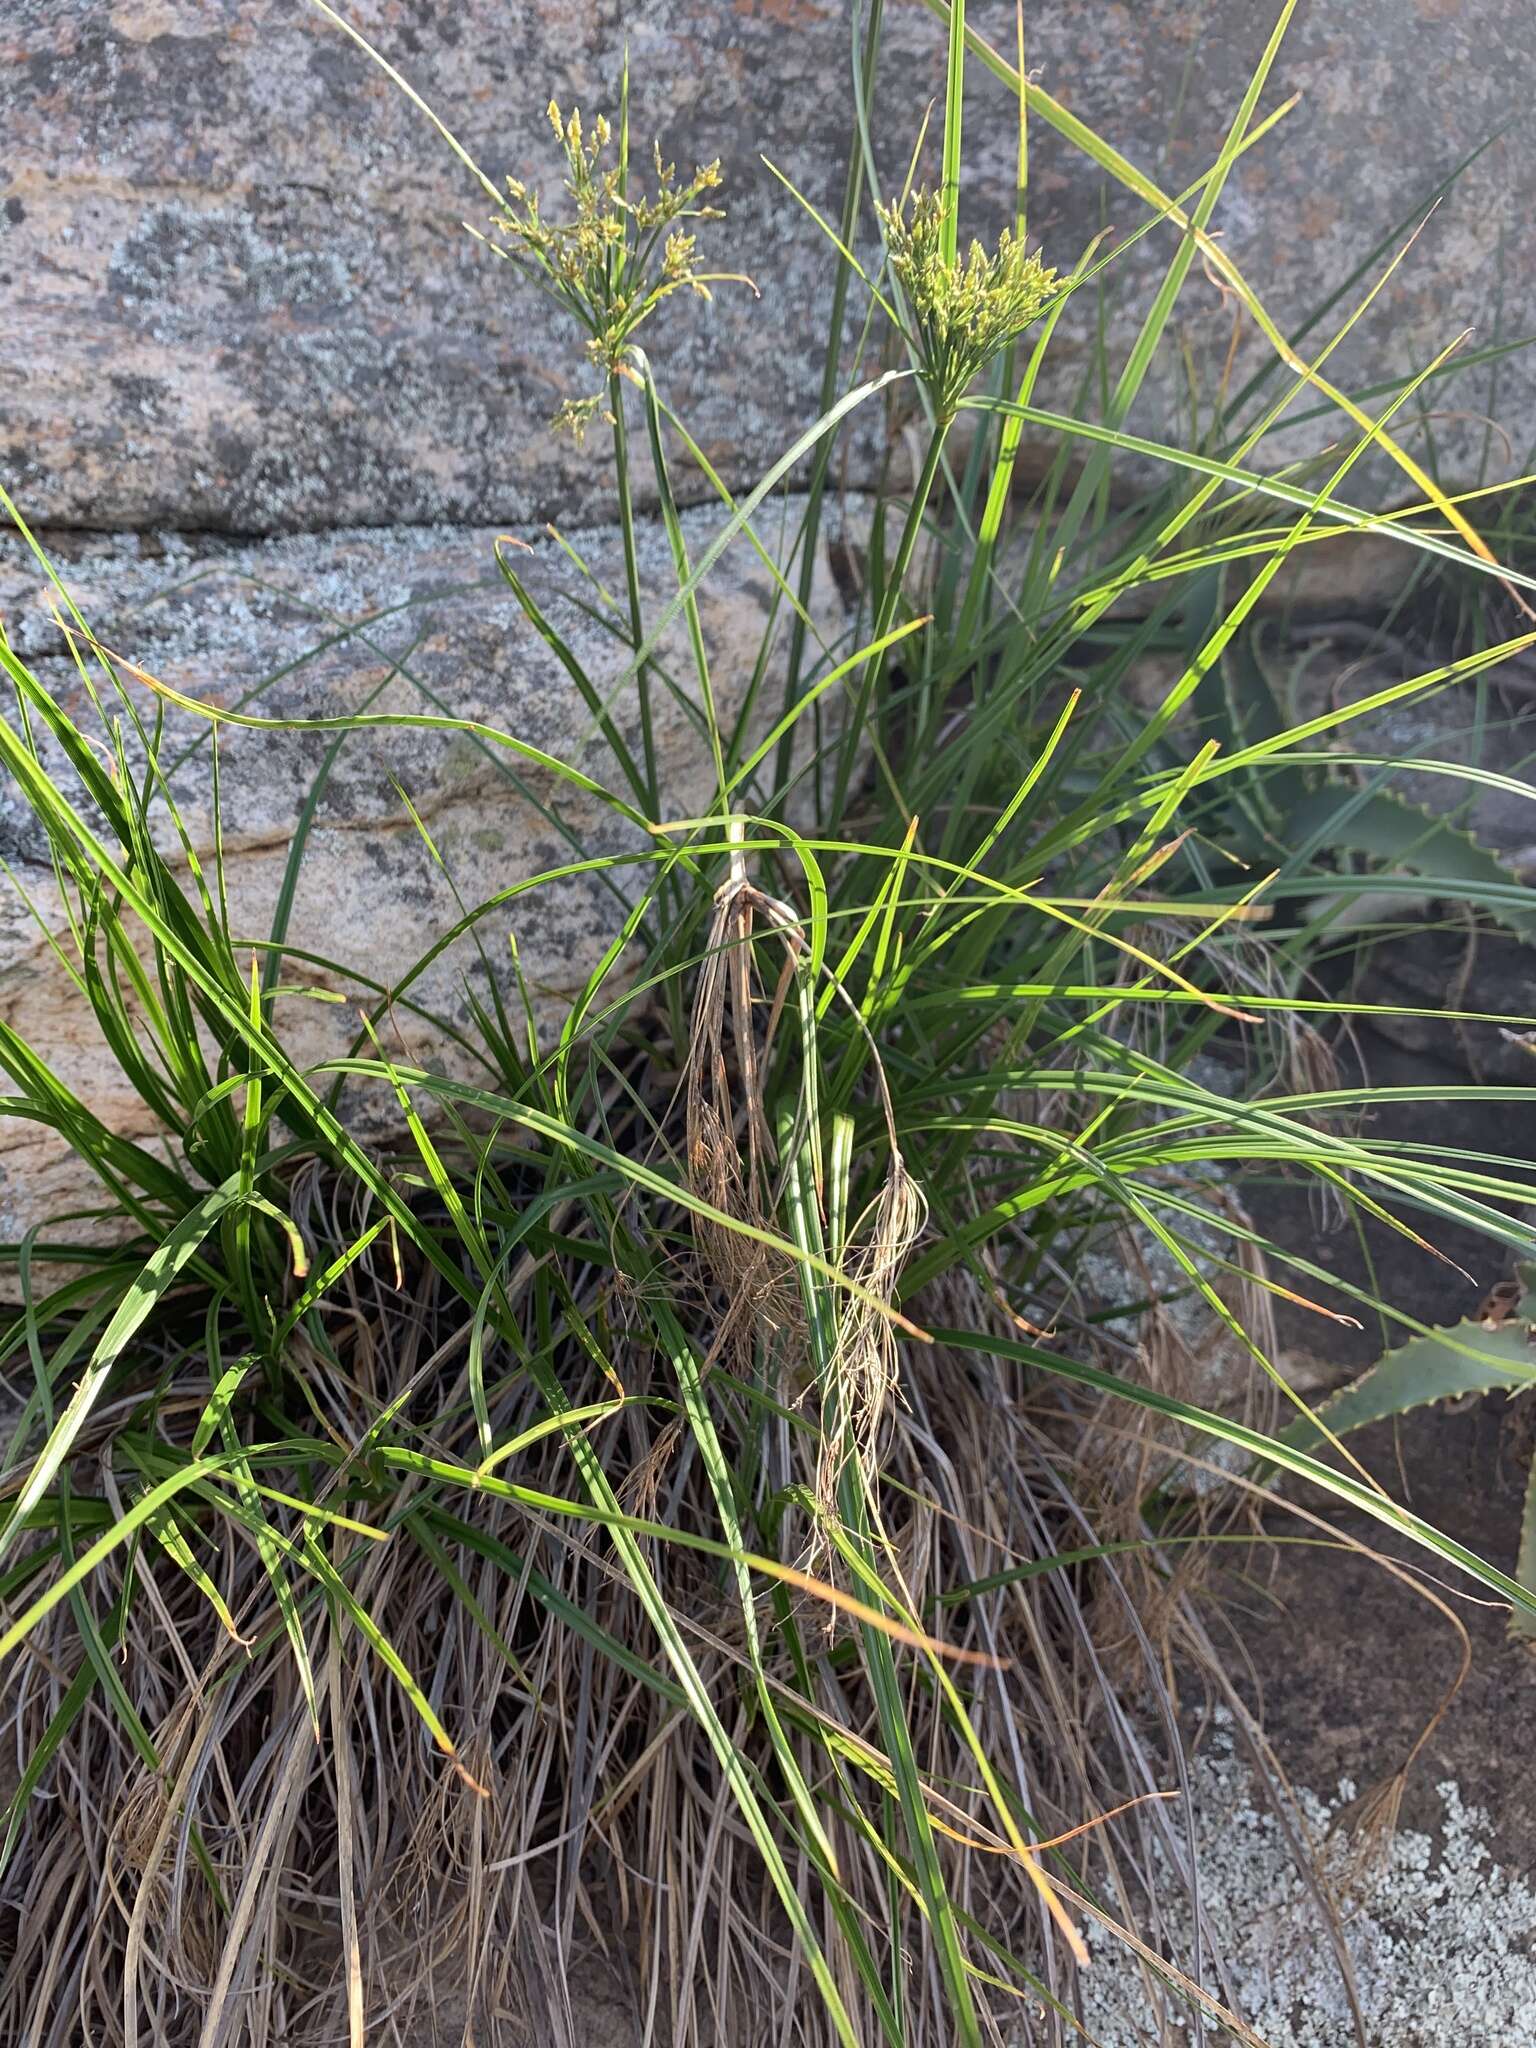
[[684, 1492]]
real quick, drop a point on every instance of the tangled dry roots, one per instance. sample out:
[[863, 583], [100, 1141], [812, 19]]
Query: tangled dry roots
[[756, 1282]]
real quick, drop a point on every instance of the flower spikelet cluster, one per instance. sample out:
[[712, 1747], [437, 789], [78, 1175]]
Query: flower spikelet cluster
[[966, 308], [617, 251]]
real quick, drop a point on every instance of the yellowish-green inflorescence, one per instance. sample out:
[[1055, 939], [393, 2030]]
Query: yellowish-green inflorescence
[[620, 254], [965, 309]]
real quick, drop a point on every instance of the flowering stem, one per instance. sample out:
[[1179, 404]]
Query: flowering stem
[[954, 103], [874, 670], [664, 887], [632, 581]]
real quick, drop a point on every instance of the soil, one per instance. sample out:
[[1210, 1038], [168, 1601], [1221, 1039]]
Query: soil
[[1350, 1662]]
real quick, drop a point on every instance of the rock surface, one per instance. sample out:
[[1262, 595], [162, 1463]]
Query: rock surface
[[407, 621], [1486, 972], [241, 296], [1437, 1930], [244, 304]]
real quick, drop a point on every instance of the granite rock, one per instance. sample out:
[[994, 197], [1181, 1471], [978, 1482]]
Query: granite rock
[[241, 296]]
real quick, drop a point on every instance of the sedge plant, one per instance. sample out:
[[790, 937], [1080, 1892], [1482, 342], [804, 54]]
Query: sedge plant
[[687, 1495]]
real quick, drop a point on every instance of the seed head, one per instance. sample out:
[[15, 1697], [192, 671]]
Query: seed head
[[966, 310], [619, 252]]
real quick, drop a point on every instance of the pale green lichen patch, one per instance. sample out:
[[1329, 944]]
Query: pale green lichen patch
[[1441, 1936]]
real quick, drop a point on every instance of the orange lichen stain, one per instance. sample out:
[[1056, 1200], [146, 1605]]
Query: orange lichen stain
[[1317, 215], [784, 13]]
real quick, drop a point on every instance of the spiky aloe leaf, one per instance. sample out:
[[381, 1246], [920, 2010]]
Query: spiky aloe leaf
[[1467, 1358], [1388, 827]]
